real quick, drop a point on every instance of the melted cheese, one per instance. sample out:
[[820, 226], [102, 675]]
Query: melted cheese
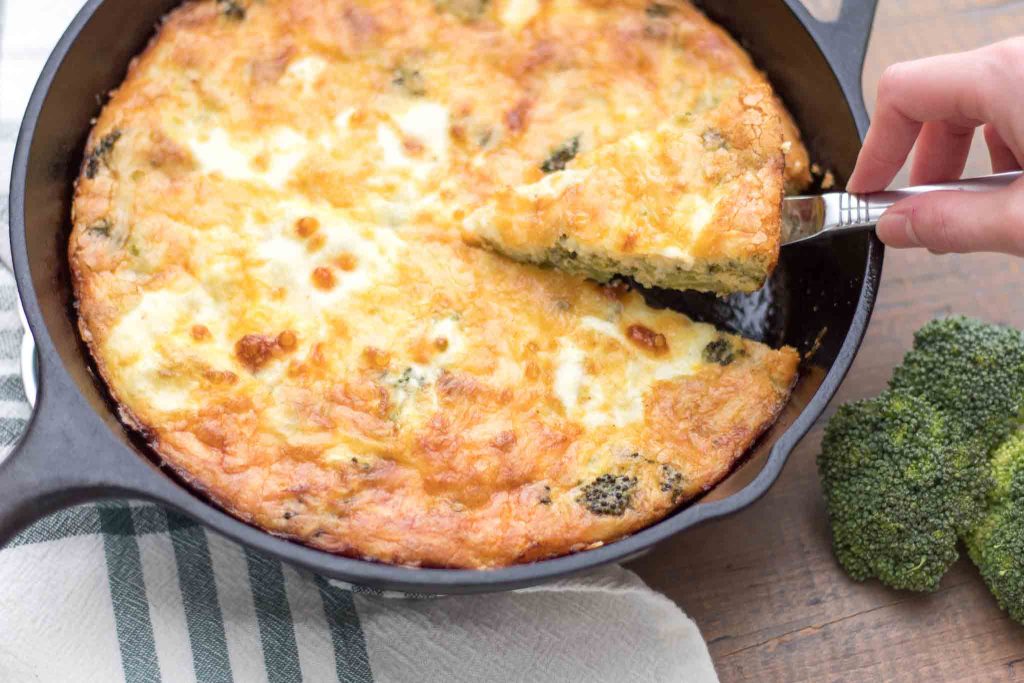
[[450, 331], [282, 151], [552, 186], [417, 140], [217, 154], [285, 260], [153, 345], [604, 327], [617, 398], [427, 122], [569, 375], [516, 14], [305, 71]]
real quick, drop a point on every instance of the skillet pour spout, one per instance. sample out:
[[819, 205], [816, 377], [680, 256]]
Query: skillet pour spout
[[76, 448]]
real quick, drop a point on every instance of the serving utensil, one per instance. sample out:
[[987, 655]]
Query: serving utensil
[[815, 217]]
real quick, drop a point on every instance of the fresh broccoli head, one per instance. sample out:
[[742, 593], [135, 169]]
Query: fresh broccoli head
[[971, 371], [900, 485], [997, 543], [936, 458]]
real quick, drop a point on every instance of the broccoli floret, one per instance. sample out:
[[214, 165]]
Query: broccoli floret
[[561, 155], [100, 154], [100, 228], [409, 80], [656, 10], [937, 457], [971, 371], [997, 543], [609, 494], [672, 482], [712, 140], [719, 351], [900, 485], [231, 9]]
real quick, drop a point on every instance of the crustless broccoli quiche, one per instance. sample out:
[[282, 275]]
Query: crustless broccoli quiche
[[270, 269]]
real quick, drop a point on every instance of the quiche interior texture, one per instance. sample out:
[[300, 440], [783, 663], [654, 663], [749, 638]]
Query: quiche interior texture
[[269, 268], [693, 204]]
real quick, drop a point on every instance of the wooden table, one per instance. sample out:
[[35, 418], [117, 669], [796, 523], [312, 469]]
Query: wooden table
[[763, 585]]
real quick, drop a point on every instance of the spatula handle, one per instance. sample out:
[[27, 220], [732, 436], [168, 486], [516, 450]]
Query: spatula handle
[[864, 210]]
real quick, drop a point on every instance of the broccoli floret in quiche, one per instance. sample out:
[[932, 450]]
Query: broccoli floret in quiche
[[561, 155], [409, 80], [232, 9], [672, 482], [720, 351], [609, 494], [99, 155]]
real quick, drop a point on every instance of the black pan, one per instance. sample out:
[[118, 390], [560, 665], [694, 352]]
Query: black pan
[[75, 449]]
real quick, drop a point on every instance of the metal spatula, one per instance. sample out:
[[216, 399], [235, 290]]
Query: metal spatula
[[815, 217]]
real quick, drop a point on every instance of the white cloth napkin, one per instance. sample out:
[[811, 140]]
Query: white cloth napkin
[[129, 591]]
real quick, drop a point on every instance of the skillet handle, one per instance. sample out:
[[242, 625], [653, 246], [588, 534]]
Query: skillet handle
[[845, 44], [66, 456]]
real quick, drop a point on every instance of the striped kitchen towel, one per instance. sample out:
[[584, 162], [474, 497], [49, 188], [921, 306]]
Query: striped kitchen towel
[[130, 591]]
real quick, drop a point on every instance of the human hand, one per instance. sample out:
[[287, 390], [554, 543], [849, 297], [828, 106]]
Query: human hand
[[939, 102]]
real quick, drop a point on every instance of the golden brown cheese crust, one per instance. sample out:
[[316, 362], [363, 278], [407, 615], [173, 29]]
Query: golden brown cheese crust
[[693, 204], [270, 276]]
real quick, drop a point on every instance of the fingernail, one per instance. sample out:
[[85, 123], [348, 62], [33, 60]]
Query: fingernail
[[896, 229]]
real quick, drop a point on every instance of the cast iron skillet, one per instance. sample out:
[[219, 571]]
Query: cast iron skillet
[[76, 450]]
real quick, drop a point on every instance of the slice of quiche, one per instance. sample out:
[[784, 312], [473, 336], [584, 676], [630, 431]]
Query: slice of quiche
[[693, 204]]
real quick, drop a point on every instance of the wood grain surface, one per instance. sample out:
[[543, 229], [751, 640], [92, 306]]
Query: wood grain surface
[[763, 585]]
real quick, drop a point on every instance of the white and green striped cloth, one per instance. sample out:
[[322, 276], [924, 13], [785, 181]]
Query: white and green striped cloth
[[130, 591], [126, 591]]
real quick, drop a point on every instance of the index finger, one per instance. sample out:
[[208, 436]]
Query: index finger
[[951, 88]]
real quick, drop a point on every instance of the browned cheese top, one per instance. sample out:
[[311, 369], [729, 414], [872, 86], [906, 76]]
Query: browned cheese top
[[269, 273]]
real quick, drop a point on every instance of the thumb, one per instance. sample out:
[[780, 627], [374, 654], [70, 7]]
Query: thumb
[[945, 222]]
